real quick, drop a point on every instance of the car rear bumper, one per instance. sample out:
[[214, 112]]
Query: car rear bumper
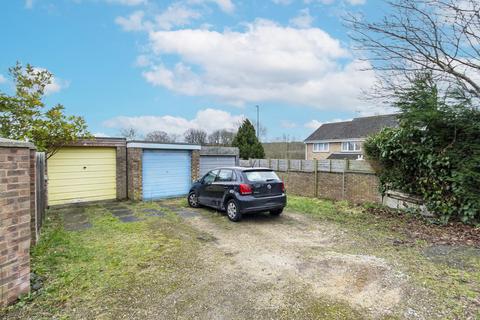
[[251, 204]]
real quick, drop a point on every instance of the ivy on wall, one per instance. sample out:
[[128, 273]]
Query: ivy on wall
[[435, 151]]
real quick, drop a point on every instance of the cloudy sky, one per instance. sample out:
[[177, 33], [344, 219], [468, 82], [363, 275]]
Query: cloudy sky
[[174, 65]]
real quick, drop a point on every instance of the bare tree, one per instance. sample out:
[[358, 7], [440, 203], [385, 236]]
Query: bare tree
[[195, 136], [438, 36], [129, 133], [160, 136], [221, 137]]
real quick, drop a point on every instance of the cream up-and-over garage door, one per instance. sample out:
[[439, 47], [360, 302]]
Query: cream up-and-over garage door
[[79, 174]]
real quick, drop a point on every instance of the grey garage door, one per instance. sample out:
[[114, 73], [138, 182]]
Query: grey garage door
[[208, 163]]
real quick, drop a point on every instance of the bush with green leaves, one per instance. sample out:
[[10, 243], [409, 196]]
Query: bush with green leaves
[[434, 153], [24, 115]]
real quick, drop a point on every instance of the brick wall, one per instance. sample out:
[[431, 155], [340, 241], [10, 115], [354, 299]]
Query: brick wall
[[356, 187], [195, 165], [134, 173], [15, 216], [362, 187], [121, 178], [353, 181]]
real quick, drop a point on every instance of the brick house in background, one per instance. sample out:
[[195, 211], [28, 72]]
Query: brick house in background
[[344, 140]]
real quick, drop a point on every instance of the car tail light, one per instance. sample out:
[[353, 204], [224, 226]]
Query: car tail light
[[245, 189], [283, 186]]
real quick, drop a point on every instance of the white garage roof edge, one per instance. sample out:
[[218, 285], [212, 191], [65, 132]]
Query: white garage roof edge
[[169, 146]]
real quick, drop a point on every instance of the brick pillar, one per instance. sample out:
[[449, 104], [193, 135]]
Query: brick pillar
[[33, 207], [15, 216], [134, 173], [195, 165], [121, 178]]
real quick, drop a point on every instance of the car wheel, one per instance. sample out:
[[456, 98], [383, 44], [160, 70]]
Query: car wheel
[[276, 212], [232, 211], [193, 200]]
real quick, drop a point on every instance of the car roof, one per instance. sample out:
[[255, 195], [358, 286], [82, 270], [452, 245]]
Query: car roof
[[244, 168]]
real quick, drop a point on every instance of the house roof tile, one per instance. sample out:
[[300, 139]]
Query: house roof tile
[[354, 129]]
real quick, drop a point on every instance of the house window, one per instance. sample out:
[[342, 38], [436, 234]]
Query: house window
[[351, 146], [320, 147]]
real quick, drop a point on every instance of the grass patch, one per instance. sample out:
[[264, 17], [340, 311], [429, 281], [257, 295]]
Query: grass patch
[[80, 268]]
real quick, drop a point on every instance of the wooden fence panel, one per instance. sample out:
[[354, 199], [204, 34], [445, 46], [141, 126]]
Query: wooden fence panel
[[40, 190]]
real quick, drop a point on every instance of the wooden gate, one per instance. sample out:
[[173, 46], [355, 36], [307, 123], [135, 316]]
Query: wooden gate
[[40, 191]]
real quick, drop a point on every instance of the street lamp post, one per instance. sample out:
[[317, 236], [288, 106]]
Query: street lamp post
[[258, 121]]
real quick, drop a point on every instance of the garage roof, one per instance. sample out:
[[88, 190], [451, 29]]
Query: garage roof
[[170, 146]]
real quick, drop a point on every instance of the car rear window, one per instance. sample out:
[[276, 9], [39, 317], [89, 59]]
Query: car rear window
[[261, 175]]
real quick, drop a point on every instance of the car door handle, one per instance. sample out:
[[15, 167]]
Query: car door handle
[[225, 187]]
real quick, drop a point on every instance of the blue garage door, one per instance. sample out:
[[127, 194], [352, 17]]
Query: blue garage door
[[166, 173]]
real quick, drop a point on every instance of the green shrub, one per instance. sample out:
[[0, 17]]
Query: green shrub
[[434, 153]]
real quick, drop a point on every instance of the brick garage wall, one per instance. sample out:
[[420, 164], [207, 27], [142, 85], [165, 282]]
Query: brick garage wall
[[134, 173], [195, 165], [121, 179], [15, 217]]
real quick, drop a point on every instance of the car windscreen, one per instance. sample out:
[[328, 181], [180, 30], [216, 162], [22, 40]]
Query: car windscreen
[[261, 175]]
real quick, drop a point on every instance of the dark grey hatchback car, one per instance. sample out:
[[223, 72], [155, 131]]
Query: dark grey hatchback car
[[239, 190]]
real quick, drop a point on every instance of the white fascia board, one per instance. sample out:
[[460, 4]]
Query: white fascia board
[[335, 140], [168, 146]]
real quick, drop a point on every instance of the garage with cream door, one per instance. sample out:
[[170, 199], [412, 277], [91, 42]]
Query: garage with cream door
[[81, 174]]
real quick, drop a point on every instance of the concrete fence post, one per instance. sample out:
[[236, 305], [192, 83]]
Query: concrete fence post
[[315, 163]]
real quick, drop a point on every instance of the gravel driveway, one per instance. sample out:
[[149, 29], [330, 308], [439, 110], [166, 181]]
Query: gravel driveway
[[165, 261]]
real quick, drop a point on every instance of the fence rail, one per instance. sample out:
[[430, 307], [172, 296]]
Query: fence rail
[[310, 165]]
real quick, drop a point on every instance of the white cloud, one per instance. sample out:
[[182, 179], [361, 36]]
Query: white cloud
[[29, 4], [2, 79], [302, 20], [314, 124], [327, 2], [127, 2], [356, 2], [288, 124], [265, 62], [56, 85], [282, 2], [225, 5], [176, 15], [178, 125], [101, 134], [133, 22]]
